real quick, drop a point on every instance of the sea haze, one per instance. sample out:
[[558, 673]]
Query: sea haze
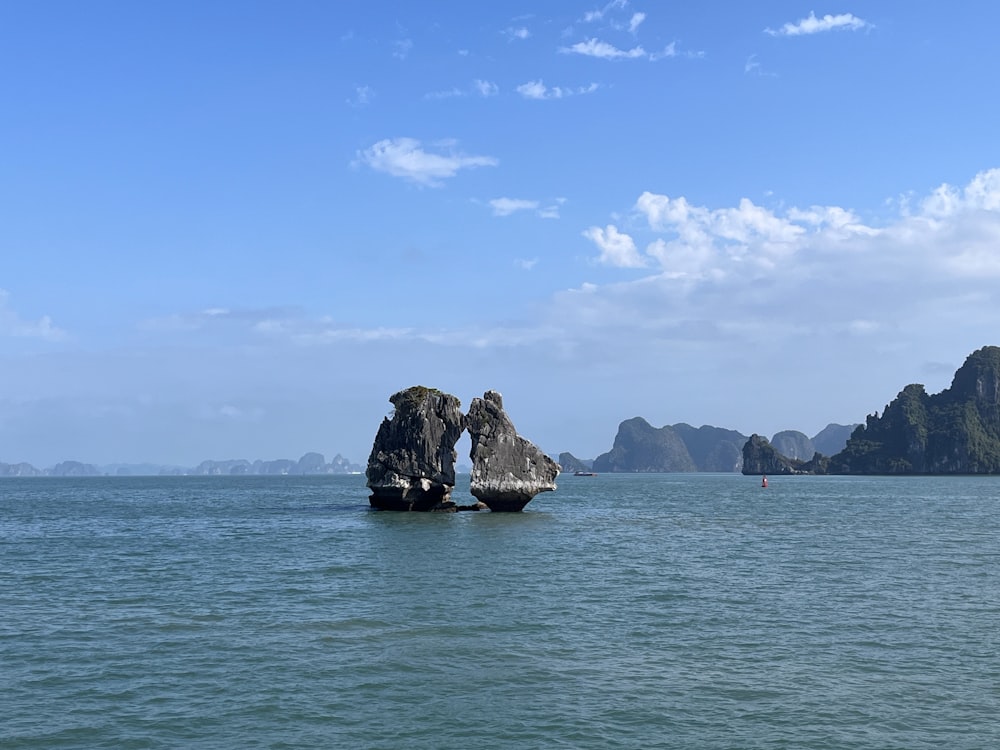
[[653, 611]]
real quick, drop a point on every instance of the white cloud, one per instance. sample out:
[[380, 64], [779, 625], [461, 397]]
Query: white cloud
[[406, 158], [603, 50], [539, 91], [520, 33], [485, 88], [217, 318], [507, 206], [12, 324], [597, 15], [452, 93], [617, 249], [478, 87], [532, 90], [779, 303], [594, 47], [814, 25], [363, 96], [821, 276], [669, 51], [981, 194], [401, 48], [951, 241], [636, 21], [751, 293]]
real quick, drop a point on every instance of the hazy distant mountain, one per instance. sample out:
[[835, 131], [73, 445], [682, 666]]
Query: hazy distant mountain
[[832, 438], [19, 470], [571, 463], [73, 469], [793, 444], [310, 463], [713, 448], [138, 470], [639, 447]]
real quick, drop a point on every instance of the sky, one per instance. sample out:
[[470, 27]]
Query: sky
[[234, 229]]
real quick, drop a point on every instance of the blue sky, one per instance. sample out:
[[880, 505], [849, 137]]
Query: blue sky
[[234, 229]]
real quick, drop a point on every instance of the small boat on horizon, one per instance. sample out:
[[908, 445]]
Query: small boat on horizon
[[584, 473]]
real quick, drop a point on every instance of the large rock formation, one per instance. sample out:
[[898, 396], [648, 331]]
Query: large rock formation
[[412, 463], [74, 469], [640, 447], [507, 470], [760, 457], [793, 444], [956, 431], [19, 470], [568, 462], [712, 448]]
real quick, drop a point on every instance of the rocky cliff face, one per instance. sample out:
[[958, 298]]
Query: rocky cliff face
[[760, 457], [712, 448], [793, 444], [568, 462], [507, 470], [956, 431], [640, 447], [412, 463]]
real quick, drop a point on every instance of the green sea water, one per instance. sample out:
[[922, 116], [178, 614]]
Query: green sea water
[[621, 611]]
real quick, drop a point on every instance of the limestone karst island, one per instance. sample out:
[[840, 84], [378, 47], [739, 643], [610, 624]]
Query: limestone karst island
[[956, 431], [412, 463]]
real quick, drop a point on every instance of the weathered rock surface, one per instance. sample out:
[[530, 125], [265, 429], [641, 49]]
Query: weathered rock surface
[[712, 448], [412, 463], [793, 444], [569, 462], [640, 447], [507, 470], [956, 431], [760, 457]]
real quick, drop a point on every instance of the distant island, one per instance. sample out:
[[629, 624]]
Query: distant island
[[310, 464], [639, 447], [956, 431]]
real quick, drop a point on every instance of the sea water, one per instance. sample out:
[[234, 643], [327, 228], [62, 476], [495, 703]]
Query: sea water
[[621, 611]]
